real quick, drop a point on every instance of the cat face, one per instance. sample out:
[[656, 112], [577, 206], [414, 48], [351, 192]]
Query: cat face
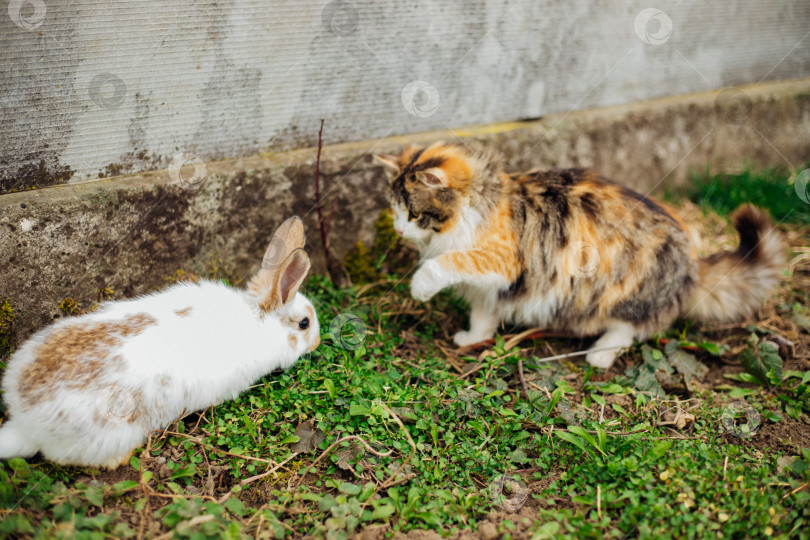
[[427, 189]]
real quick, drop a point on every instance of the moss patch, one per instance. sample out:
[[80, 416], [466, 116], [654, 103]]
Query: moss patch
[[104, 293], [388, 254], [7, 337], [70, 307]]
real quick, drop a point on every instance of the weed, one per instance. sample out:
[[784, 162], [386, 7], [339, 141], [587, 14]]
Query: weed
[[71, 307], [7, 335], [770, 188], [387, 424]]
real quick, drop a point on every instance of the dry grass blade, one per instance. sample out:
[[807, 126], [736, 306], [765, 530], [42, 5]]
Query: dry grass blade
[[225, 452], [392, 480], [247, 481]]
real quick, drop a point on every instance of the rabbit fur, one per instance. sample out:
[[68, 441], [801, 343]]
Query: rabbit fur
[[88, 390]]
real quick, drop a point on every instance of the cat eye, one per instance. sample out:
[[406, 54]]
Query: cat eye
[[303, 324], [411, 215]]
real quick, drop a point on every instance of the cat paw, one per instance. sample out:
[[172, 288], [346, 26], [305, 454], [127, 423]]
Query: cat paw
[[426, 283], [464, 338], [601, 359]]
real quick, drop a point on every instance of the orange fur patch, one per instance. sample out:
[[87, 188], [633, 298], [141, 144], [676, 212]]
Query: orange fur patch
[[185, 312], [495, 251], [263, 285], [455, 162], [76, 355]]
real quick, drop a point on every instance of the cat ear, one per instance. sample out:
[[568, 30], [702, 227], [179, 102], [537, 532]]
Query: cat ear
[[388, 160], [433, 177]]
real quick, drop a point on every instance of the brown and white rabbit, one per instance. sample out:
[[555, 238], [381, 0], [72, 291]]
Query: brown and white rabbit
[[88, 390]]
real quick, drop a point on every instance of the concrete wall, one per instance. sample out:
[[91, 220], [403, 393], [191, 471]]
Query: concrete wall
[[132, 233], [96, 88]]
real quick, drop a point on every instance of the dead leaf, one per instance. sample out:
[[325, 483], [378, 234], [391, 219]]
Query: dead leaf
[[687, 365], [783, 463], [347, 455], [406, 414], [309, 437], [677, 417], [670, 382], [209, 484]]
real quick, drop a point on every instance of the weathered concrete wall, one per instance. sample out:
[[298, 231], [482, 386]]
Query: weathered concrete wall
[[132, 233], [96, 88]]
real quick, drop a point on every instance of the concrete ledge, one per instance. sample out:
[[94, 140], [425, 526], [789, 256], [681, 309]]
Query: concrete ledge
[[132, 233]]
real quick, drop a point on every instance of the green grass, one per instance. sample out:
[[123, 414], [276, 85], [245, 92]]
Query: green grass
[[770, 188], [593, 457]]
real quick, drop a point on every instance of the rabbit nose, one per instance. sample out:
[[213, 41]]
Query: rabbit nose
[[315, 345]]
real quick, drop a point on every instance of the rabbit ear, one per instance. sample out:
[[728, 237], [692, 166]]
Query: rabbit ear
[[288, 237], [292, 274], [276, 288]]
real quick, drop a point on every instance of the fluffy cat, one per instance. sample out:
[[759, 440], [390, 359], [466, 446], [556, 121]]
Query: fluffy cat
[[568, 249]]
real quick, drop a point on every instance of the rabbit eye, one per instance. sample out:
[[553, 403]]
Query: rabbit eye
[[303, 324]]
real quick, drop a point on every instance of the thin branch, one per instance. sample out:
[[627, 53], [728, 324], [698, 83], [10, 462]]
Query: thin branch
[[692, 348], [318, 203], [522, 378], [334, 445], [798, 489], [580, 353], [247, 481], [215, 449], [532, 333], [331, 216]]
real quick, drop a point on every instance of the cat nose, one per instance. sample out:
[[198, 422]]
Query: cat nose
[[399, 231]]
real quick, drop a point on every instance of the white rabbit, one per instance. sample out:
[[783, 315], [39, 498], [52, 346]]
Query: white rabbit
[[88, 390]]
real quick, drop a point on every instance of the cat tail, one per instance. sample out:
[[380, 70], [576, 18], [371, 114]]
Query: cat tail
[[732, 284], [13, 441]]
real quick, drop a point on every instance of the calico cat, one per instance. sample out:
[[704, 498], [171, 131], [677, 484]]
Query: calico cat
[[568, 249]]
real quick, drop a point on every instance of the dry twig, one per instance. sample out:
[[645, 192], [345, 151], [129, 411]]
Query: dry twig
[[334, 445]]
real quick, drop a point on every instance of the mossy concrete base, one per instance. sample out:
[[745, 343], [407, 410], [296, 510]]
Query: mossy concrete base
[[133, 233]]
